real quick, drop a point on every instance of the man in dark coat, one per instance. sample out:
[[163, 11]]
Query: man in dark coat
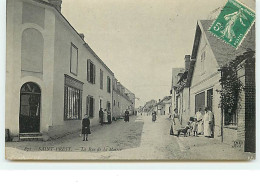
[[85, 127], [126, 116], [101, 116], [109, 117]]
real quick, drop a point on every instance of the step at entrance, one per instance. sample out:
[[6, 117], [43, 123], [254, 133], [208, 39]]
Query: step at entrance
[[31, 136]]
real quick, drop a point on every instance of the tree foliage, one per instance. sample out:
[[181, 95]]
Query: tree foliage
[[231, 84]]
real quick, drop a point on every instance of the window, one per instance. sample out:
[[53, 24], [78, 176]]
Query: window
[[90, 106], [73, 59], [210, 99], [118, 104], [91, 72], [72, 98], [200, 101], [203, 55], [108, 84], [230, 118], [114, 102], [72, 107], [101, 79]]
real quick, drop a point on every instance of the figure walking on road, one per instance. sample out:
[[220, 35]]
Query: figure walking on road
[[208, 123], [100, 116], [154, 116], [126, 116], [85, 127], [109, 117]]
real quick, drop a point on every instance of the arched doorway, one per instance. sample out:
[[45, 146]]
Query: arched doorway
[[30, 103]]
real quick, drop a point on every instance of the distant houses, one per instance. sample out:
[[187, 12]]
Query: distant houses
[[199, 86], [122, 99]]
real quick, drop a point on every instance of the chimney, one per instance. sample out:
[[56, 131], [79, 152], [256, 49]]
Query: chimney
[[187, 62], [56, 4], [82, 35]]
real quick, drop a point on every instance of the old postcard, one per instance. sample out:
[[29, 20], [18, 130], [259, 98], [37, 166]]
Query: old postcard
[[134, 80]]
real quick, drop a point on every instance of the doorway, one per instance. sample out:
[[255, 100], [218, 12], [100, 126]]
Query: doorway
[[30, 103]]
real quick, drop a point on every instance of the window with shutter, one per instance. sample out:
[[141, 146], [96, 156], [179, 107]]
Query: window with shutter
[[94, 74], [108, 84], [88, 70], [91, 72], [101, 79]]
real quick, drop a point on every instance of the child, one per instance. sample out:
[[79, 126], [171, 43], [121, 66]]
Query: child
[[85, 127], [195, 127]]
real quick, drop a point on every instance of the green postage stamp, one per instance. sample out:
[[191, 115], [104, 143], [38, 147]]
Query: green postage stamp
[[233, 23]]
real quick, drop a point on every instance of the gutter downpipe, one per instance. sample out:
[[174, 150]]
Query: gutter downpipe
[[222, 112]]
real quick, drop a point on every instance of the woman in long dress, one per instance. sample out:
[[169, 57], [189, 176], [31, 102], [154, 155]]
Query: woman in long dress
[[105, 116], [207, 119], [174, 125], [199, 118]]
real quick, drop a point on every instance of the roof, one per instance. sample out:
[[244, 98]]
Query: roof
[[165, 100], [223, 52], [175, 73]]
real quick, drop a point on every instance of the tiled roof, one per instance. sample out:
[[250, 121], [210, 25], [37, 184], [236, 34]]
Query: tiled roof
[[224, 52]]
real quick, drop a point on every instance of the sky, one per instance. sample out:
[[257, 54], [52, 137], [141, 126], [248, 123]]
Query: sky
[[142, 40]]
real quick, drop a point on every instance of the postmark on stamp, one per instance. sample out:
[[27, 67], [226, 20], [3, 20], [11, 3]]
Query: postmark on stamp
[[233, 23]]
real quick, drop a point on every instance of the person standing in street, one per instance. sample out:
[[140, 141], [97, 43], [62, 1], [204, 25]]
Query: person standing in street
[[199, 118], [208, 123], [85, 127], [105, 116], [100, 113], [154, 116], [126, 116], [174, 117], [109, 117]]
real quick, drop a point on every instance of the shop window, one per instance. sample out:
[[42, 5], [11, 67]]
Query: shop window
[[72, 108]]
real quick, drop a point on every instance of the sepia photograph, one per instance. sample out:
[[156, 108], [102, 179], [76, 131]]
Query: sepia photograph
[[130, 80]]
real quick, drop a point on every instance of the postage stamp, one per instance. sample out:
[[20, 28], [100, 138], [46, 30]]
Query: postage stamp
[[233, 23]]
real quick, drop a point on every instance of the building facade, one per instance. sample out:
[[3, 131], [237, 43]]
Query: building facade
[[176, 75], [53, 77], [123, 100], [209, 55]]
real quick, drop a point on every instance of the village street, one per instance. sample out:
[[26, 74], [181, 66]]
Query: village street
[[139, 139]]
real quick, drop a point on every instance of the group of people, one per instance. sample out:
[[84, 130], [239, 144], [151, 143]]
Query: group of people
[[104, 116], [200, 124]]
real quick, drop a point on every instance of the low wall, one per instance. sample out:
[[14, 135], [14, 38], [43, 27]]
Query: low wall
[[229, 135]]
